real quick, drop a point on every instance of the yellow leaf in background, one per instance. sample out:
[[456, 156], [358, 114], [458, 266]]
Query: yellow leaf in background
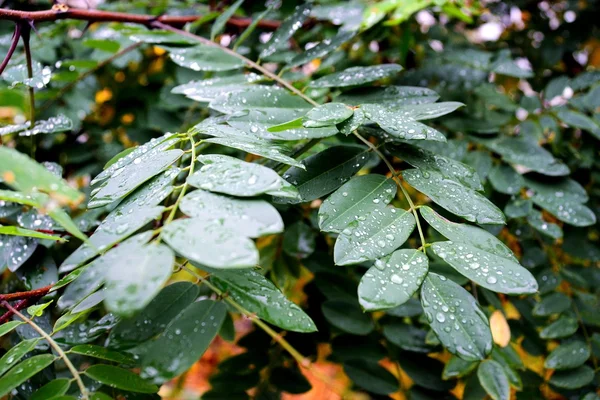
[[500, 329], [103, 96]]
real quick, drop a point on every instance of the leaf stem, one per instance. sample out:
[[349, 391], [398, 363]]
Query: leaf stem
[[11, 49], [55, 346], [398, 181]]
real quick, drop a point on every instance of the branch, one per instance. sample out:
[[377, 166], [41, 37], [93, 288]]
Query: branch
[[58, 13], [13, 46], [36, 293], [19, 306]]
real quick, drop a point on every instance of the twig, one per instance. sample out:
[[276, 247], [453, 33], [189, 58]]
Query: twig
[[19, 306], [36, 293], [25, 34], [55, 346], [11, 49], [87, 73], [58, 13]]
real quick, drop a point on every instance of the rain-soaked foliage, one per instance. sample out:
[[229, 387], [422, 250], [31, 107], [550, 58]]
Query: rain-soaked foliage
[[331, 199]]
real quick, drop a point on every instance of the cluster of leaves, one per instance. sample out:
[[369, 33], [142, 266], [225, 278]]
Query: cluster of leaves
[[455, 239]]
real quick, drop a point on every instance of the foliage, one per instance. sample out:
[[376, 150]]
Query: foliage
[[401, 198]]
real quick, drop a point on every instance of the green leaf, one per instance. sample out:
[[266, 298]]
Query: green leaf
[[393, 280], [389, 96], [38, 310], [209, 89], [224, 174], [353, 123], [24, 174], [406, 337], [222, 19], [358, 197], [347, 317], [326, 171], [479, 256], [276, 103], [153, 319], [16, 231], [299, 240], [15, 251], [506, 180], [564, 326], [260, 296], [12, 356], [8, 327], [381, 232], [537, 221], [573, 378], [493, 379], [119, 378], [132, 176], [563, 199], [251, 218], [135, 278], [210, 245], [579, 120], [289, 26], [322, 49], [23, 371], [92, 276], [18, 74], [57, 387], [183, 342], [454, 197], [527, 153], [326, 115], [568, 356], [446, 166], [510, 68], [92, 350], [397, 125], [456, 318], [456, 367], [204, 58], [57, 124], [420, 112], [371, 376], [554, 303], [293, 124], [357, 76]]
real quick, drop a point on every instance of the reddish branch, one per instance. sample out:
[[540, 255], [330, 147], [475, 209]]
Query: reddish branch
[[13, 46], [58, 13], [25, 300]]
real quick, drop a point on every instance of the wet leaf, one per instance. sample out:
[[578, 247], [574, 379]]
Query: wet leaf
[[260, 296], [393, 280], [326, 115], [23, 371], [183, 342], [389, 96], [119, 378], [355, 199], [357, 76], [322, 49], [398, 125], [16, 231], [224, 174], [100, 352], [456, 318], [347, 317], [493, 379], [506, 180], [480, 256], [573, 378], [219, 24], [208, 89], [18, 74], [15, 251], [289, 26], [251, 218], [568, 356], [57, 387], [204, 58], [14, 355], [325, 171], [381, 232], [562, 327], [371, 376], [210, 245]]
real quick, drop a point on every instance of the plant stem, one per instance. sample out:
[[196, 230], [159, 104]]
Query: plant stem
[[250, 63], [398, 181], [55, 346], [11, 49]]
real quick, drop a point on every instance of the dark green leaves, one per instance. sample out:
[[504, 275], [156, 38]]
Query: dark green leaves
[[183, 342], [204, 58], [371, 376], [479, 256], [322, 49], [393, 280], [493, 379], [573, 378], [326, 171], [23, 371], [567, 356], [347, 317], [398, 125], [120, 378], [357, 76], [279, 39], [258, 295], [456, 318], [326, 115], [356, 198]]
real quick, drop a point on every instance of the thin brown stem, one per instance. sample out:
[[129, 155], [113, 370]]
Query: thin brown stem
[[25, 34], [11, 49], [36, 293], [19, 306]]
